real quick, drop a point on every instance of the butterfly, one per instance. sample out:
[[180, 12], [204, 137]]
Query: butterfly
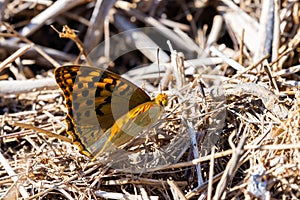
[[104, 110]]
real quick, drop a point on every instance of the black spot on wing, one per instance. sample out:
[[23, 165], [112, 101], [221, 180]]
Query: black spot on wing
[[98, 111], [91, 84], [108, 87], [89, 102], [87, 113], [80, 85], [85, 93], [76, 106], [95, 79]]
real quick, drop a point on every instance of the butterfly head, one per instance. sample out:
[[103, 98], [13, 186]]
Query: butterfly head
[[161, 99]]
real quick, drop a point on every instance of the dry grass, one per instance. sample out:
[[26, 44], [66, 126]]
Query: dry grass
[[230, 131]]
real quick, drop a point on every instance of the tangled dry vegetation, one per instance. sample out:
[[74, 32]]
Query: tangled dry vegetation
[[231, 71]]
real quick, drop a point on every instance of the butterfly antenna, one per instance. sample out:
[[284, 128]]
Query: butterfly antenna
[[159, 85]]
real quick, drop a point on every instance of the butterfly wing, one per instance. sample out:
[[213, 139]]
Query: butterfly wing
[[129, 125], [95, 99]]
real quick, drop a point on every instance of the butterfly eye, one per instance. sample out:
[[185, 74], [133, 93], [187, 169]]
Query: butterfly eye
[[161, 99], [164, 102]]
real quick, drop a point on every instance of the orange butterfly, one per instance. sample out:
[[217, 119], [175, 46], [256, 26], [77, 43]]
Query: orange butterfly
[[105, 111]]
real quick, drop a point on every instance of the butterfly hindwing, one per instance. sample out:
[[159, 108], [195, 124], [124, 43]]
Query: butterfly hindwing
[[130, 125]]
